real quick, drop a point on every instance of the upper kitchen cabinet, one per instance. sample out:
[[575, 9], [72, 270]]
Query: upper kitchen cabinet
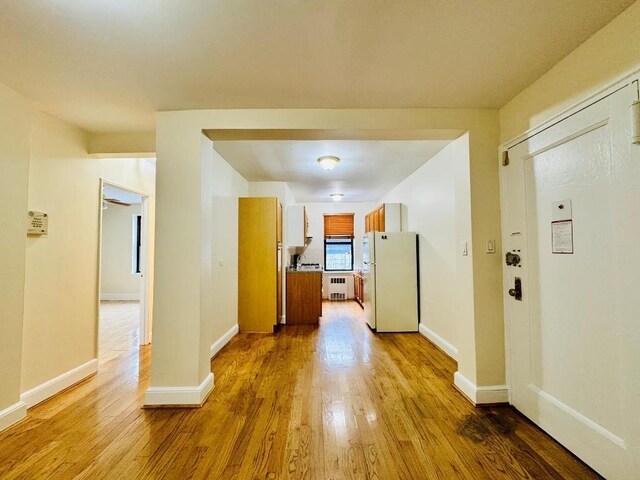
[[297, 226], [388, 217], [259, 264]]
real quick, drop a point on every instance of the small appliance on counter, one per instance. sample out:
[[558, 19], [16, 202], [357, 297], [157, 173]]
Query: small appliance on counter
[[304, 267], [309, 266]]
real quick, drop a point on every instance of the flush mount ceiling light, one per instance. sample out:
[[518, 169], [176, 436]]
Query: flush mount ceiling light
[[328, 162], [336, 197]]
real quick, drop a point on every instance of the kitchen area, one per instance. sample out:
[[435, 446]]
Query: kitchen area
[[320, 238], [327, 253], [303, 278]]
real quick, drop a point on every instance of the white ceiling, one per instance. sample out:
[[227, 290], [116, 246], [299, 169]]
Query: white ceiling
[[109, 65], [367, 169], [122, 195]]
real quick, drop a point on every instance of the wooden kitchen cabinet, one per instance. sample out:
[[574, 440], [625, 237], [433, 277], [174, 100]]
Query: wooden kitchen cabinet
[[358, 287], [388, 217], [381, 225], [304, 297], [259, 264]]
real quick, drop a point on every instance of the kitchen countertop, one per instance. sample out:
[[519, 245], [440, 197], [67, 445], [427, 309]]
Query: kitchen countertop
[[303, 270]]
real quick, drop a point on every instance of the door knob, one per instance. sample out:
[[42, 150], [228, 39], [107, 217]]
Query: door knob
[[512, 292]]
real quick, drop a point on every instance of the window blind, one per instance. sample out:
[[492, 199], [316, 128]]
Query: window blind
[[338, 225]]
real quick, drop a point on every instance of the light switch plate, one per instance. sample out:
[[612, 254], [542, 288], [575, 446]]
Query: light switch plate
[[491, 246], [464, 249]]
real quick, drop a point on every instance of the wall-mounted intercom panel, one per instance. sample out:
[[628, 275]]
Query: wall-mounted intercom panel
[[37, 223]]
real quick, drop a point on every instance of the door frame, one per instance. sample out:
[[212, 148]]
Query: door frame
[[145, 284], [629, 78]]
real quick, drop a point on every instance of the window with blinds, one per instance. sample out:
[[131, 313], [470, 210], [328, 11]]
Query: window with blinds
[[338, 242], [338, 225]]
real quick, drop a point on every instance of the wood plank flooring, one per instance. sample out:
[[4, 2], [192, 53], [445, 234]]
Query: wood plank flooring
[[334, 402], [119, 328]]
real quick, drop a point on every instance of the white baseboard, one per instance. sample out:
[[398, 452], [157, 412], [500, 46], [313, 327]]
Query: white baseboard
[[442, 344], [114, 297], [179, 396], [481, 395], [12, 414], [223, 340], [49, 388]]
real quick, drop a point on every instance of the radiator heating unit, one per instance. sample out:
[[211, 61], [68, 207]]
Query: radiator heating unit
[[337, 288]]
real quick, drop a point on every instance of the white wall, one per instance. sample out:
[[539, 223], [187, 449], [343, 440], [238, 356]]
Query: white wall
[[228, 186], [60, 300], [117, 279], [438, 210], [286, 198], [15, 116], [314, 252], [272, 189]]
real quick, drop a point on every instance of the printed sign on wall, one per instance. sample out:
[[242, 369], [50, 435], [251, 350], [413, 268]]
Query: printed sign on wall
[[562, 236]]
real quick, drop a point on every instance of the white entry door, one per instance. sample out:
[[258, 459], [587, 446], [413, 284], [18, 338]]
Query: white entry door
[[571, 210]]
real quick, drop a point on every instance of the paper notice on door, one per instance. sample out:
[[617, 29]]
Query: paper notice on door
[[562, 237]]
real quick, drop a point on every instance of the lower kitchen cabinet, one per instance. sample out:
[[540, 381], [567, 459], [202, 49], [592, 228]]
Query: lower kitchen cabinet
[[304, 297], [358, 287]]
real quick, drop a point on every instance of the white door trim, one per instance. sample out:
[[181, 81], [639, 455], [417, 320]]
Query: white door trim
[[622, 81], [145, 290]]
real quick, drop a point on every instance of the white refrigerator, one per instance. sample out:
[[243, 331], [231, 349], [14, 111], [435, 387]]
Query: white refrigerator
[[391, 281]]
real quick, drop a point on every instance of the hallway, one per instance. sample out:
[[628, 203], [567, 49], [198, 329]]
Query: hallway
[[333, 402]]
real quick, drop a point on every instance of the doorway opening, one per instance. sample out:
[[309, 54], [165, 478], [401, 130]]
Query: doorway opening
[[123, 297]]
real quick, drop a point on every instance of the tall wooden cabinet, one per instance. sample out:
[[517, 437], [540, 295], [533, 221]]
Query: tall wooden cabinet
[[388, 217], [259, 264]]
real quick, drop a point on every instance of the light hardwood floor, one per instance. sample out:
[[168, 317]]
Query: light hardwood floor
[[119, 329], [334, 402]]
